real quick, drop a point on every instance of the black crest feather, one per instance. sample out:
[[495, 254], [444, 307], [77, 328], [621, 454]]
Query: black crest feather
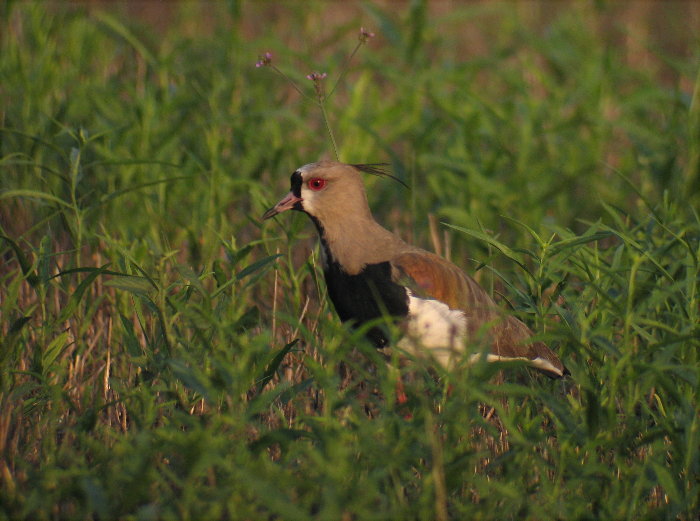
[[378, 169]]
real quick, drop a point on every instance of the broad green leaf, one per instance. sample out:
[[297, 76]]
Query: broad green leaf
[[76, 297]]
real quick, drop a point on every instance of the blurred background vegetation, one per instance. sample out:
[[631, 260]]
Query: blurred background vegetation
[[165, 356]]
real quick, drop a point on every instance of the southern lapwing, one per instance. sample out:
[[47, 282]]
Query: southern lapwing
[[370, 272]]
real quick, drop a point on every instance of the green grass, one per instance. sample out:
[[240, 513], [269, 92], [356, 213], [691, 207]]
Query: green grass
[[164, 355]]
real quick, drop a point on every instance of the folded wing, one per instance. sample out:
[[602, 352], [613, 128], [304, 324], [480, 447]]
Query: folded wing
[[429, 276]]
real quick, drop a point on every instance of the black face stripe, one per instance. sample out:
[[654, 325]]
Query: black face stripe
[[296, 182]]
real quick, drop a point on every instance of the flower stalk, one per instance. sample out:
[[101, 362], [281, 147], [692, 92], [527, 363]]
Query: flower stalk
[[265, 60]]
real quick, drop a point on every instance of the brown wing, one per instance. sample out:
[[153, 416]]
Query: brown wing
[[430, 276]]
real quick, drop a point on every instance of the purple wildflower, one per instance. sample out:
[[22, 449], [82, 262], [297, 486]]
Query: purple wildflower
[[316, 76], [365, 35], [265, 60]]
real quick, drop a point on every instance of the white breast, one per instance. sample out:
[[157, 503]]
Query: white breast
[[433, 326]]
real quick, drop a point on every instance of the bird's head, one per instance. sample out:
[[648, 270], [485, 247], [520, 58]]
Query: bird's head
[[327, 191]]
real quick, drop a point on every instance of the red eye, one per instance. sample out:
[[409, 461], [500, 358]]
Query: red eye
[[317, 184]]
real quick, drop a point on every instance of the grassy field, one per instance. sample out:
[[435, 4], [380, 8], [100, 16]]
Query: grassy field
[[165, 355]]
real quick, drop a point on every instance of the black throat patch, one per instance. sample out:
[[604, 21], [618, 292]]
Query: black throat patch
[[366, 296]]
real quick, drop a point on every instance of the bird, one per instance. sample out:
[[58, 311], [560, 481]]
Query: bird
[[371, 272]]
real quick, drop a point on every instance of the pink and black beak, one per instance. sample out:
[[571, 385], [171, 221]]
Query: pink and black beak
[[288, 202]]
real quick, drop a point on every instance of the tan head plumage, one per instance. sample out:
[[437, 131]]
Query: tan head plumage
[[333, 195]]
